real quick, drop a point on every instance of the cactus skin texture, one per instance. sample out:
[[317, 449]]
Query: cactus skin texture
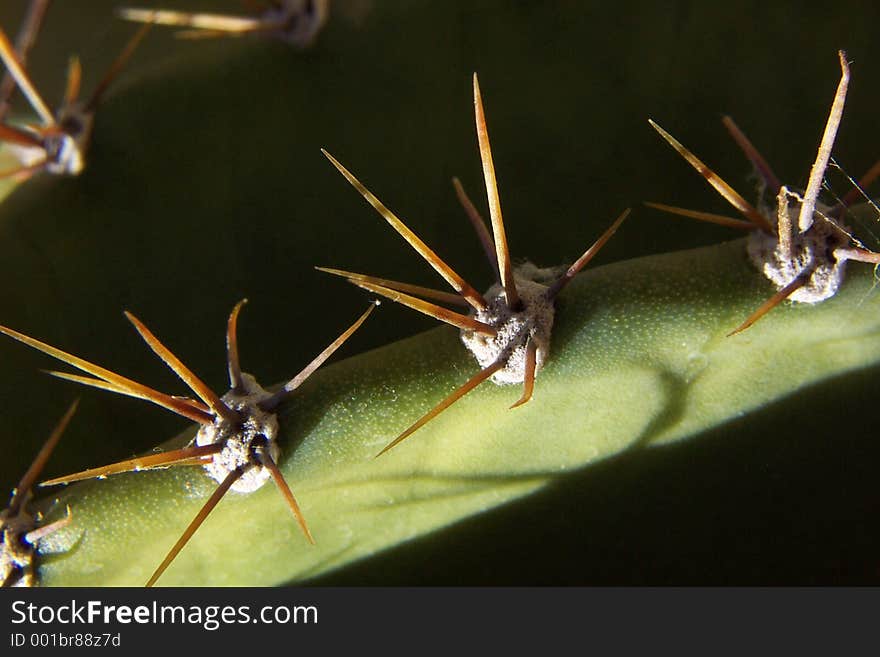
[[205, 184]]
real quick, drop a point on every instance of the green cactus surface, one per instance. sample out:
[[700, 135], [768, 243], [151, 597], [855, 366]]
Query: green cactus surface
[[205, 185]]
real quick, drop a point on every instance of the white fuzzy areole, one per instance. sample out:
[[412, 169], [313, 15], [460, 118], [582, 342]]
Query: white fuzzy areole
[[64, 152], [238, 439], [66, 158], [534, 321], [811, 251], [67, 150]]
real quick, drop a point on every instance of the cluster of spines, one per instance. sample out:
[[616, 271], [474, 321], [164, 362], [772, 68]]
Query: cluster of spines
[[21, 530], [781, 229], [209, 409], [58, 145], [494, 243]]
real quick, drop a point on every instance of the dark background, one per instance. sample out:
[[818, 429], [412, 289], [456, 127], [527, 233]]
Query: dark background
[[205, 184]]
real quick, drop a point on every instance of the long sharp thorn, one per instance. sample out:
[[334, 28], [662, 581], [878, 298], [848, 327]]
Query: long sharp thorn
[[116, 67], [859, 255], [287, 494], [710, 217], [426, 307], [754, 156], [74, 80], [529, 378], [7, 53], [588, 255], [131, 388], [27, 481], [185, 456], [479, 225], [20, 137], [196, 21], [771, 303], [426, 292], [272, 403], [232, 347], [502, 254], [27, 36], [188, 408], [215, 498], [194, 35], [823, 155], [461, 286], [195, 384], [469, 385], [730, 195], [783, 223], [209, 26], [39, 533], [256, 27]]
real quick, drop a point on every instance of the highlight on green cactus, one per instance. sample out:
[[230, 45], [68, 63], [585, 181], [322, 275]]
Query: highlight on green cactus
[[205, 184]]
